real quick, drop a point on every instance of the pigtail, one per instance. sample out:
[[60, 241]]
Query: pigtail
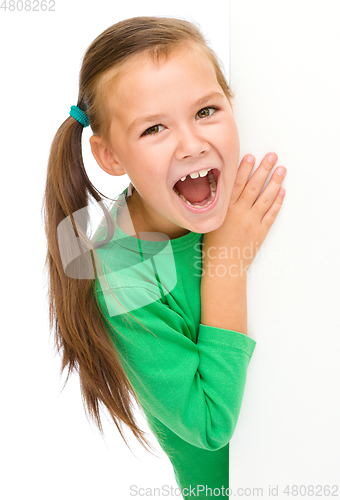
[[74, 315]]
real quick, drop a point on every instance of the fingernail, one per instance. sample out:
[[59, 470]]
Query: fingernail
[[272, 158], [250, 159], [281, 171]]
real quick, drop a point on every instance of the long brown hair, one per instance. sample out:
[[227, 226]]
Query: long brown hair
[[74, 314]]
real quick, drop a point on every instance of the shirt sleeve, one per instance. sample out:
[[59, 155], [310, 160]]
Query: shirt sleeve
[[196, 390]]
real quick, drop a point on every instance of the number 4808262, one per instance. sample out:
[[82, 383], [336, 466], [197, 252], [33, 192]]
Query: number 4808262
[[28, 5]]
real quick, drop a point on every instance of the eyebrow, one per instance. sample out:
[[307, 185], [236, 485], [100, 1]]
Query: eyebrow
[[153, 118]]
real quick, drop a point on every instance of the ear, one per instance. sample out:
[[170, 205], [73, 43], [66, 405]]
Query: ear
[[105, 156]]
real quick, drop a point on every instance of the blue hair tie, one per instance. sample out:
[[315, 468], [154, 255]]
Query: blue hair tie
[[79, 115]]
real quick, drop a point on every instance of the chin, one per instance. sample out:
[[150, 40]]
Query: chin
[[206, 227], [211, 228]]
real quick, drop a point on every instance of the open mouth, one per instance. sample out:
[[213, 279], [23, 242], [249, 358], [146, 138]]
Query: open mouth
[[199, 191]]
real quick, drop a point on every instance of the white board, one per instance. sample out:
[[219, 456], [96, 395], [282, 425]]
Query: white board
[[285, 72]]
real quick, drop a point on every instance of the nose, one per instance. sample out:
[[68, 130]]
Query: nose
[[190, 144]]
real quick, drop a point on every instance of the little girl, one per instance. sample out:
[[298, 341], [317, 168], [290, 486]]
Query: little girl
[[132, 311]]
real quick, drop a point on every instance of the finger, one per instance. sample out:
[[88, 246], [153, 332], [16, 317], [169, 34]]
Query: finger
[[242, 176], [253, 187], [267, 197], [271, 214]]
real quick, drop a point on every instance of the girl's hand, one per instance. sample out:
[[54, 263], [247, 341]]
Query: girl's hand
[[249, 216]]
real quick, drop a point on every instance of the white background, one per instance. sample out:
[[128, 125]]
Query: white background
[[49, 449], [285, 71]]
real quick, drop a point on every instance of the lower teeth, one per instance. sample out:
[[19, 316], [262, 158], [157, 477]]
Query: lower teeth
[[212, 193]]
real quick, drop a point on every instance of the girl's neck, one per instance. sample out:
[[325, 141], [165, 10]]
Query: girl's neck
[[132, 220]]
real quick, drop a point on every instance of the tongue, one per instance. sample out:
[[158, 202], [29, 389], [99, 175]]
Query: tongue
[[194, 190]]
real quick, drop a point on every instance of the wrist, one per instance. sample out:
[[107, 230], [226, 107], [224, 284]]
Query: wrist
[[226, 269]]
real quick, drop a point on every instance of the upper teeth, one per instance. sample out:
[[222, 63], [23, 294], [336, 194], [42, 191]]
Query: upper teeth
[[194, 175]]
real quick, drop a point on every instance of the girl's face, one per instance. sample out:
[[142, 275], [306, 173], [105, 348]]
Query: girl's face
[[167, 122]]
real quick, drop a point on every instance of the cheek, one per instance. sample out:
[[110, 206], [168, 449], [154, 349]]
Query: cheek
[[225, 134], [152, 155], [228, 145]]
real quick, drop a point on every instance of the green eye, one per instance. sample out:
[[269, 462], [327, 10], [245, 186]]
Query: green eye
[[152, 130], [203, 112], [206, 112]]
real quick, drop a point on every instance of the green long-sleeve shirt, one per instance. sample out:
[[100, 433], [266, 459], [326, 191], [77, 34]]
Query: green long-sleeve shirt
[[189, 377]]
